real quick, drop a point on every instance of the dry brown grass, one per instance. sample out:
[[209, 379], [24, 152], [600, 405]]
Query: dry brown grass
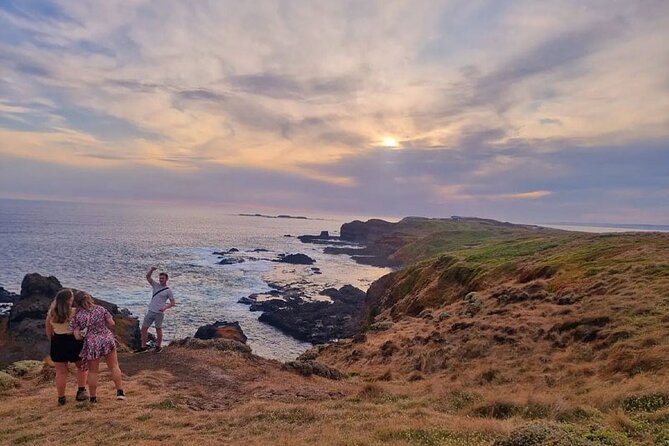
[[205, 396]]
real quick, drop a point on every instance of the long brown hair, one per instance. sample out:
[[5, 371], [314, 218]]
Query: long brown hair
[[62, 308], [83, 300]]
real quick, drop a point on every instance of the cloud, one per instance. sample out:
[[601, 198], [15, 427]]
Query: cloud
[[506, 100]]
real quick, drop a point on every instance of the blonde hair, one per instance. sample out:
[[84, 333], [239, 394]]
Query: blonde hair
[[61, 307], [83, 300]]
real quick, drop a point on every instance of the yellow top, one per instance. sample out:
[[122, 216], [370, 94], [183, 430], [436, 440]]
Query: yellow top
[[63, 327]]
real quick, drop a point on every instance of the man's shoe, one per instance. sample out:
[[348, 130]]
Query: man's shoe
[[62, 400], [120, 395], [141, 350], [158, 349], [93, 399], [82, 395]]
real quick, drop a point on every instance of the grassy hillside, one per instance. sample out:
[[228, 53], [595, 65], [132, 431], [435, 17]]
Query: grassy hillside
[[528, 323]]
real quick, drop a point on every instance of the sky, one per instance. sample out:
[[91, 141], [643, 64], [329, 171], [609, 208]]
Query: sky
[[525, 111]]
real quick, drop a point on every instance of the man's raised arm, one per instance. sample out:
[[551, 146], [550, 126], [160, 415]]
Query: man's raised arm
[[148, 275]]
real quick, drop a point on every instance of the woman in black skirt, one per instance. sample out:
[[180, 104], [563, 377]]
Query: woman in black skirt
[[64, 347]]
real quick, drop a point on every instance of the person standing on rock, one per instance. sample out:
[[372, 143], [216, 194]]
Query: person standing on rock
[[64, 347], [161, 294]]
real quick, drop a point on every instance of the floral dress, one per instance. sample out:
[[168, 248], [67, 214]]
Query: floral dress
[[99, 340]]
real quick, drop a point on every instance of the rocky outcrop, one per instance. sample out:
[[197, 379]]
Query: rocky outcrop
[[296, 259], [313, 321], [7, 296], [222, 330], [324, 238], [365, 232], [25, 337]]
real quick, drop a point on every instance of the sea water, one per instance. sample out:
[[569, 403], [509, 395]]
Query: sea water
[[107, 249]]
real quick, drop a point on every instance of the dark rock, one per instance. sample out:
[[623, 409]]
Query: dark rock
[[324, 238], [314, 321], [224, 330], [296, 259], [260, 250], [230, 261], [7, 296], [365, 232], [231, 250], [25, 324]]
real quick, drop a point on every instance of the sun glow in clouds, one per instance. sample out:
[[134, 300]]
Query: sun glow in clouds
[[390, 143]]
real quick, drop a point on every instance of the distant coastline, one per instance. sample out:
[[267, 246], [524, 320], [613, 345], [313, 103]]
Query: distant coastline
[[296, 217]]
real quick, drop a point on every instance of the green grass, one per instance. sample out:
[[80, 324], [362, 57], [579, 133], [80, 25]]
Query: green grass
[[499, 253], [435, 436], [167, 404], [285, 416]]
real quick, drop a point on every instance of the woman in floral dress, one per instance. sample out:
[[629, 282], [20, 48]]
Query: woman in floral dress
[[93, 324]]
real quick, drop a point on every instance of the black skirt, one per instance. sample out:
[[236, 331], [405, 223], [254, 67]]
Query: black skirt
[[65, 348]]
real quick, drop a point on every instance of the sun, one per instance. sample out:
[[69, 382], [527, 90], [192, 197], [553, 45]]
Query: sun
[[389, 142]]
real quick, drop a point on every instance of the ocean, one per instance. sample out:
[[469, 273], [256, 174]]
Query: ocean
[[106, 249]]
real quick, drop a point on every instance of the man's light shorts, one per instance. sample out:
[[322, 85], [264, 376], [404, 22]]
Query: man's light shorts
[[151, 317]]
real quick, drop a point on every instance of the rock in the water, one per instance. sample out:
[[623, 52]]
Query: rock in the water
[[7, 296], [297, 259], [222, 330], [225, 261]]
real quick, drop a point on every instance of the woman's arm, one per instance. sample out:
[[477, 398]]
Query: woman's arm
[[48, 327], [109, 320]]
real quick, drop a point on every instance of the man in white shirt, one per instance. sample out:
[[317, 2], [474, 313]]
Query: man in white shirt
[[157, 307]]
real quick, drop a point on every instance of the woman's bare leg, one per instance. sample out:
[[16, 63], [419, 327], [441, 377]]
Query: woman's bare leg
[[114, 369], [93, 368], [82, 374], [61, 377]]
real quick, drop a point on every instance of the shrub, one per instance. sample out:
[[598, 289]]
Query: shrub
[[649, 402], [7, 381], [22, 368], [540, 434], [498, 409]]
